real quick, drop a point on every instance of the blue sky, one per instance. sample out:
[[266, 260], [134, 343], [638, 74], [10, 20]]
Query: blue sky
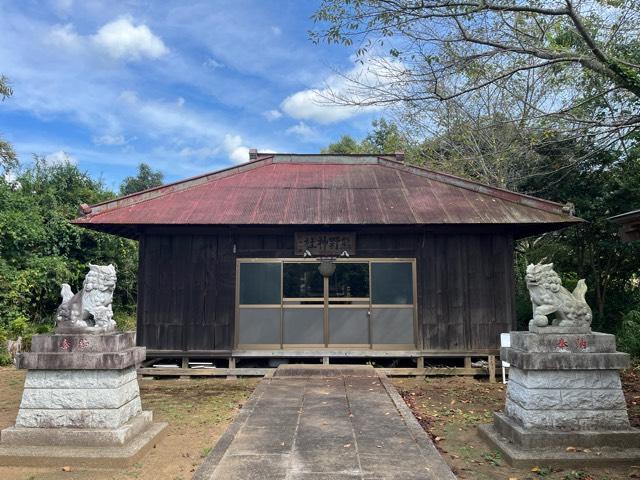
[[187, 87]]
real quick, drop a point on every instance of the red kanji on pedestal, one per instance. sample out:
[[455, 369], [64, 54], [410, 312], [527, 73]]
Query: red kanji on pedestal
[[581, 344], [65, 344], [562, 343]]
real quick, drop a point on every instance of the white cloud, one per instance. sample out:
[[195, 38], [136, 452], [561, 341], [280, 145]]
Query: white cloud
[[65, 36], [237, 152], [180, 101], [108, 139], [271, 115], [304, 131], [122, 39], [202, 152], [59, 158], [276, 31], [212, 63], [315, 104], [62, 7]]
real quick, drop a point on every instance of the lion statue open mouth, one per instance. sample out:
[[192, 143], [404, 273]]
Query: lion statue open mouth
[[549, 296], [89, 310]]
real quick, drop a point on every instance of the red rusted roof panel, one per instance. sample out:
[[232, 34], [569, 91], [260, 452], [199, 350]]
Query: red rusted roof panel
[[294, 193]]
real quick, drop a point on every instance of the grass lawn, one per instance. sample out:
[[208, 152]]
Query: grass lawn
[[198, 411], [450, 408]]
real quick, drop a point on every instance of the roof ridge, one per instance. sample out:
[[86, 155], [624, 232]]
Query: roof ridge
[[161, 190], [478, 187]]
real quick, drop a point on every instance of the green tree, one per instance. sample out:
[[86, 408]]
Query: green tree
[[429, 53], [146, 178], [603, 187], [8, 158], [345, 145], [385, 137], [40, 249]]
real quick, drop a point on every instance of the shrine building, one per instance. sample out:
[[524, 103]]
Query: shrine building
[[319, 256]]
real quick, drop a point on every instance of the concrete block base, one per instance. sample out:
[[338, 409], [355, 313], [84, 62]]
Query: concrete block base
[[528, 439], [78, 437], [525, 457], [564, 391], [80, 404], [86, 456]]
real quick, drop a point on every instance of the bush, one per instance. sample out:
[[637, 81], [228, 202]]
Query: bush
[[5, 358], [125, 321], [629, 334]]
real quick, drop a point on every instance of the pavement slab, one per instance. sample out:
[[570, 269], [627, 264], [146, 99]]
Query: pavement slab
[[349, 424]]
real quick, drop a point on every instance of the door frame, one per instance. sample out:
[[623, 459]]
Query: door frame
[[326, 305]]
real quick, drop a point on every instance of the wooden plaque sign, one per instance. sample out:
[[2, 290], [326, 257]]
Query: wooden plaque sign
[[325, 244]]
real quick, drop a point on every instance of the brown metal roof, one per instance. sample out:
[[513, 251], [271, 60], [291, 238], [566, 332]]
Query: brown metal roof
[[629, 225], [288, 189]]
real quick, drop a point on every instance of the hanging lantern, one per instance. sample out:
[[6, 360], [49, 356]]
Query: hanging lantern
[[327, 267]]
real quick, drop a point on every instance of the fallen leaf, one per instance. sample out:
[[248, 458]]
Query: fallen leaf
[[66, 468], [571, 449], [347, 445]]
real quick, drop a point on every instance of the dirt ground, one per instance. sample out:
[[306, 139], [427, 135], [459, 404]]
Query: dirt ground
[[450, 409], [198, 411]]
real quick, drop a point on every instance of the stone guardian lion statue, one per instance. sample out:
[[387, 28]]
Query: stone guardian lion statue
[[549, 296], [89, 310]]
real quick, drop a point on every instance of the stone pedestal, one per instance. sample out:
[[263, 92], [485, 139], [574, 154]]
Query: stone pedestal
[[564, 402], [80, 404]]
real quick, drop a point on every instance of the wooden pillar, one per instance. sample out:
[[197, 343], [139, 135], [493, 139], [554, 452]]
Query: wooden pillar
[[467, 362], [185, 366], [420, 362], [492, 369], [232, 364], [325, 360]]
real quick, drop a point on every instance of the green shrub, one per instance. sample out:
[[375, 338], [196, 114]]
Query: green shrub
[[629, 334], [5, 359], [125, 321]]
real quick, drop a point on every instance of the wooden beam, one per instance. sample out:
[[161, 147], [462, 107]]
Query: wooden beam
[[232, 366], [204, 372], [431, 371], [357, 353], [259, 372], [185, 366], [492, 368]]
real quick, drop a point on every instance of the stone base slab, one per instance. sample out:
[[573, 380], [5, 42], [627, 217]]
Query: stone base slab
[[531, 439], [594, 342], [564, 360], [335, 370], [75, 437], [556, 329], [104, 418], [79, 379], [557, 456], [81, 360], [88, 456], [87, 343]]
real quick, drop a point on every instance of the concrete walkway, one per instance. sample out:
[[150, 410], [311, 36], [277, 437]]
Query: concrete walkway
[[312, 423]]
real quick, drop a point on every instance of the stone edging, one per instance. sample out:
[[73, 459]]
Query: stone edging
[[206, 469], [440, 468]]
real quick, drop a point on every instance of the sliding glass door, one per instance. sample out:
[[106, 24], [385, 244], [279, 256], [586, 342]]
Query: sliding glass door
[[362, 303]]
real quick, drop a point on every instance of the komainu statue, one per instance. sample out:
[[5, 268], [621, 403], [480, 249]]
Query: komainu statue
[[89, 310], [549, 296]]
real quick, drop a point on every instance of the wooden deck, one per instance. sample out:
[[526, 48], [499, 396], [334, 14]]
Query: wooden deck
[[325, 356]]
